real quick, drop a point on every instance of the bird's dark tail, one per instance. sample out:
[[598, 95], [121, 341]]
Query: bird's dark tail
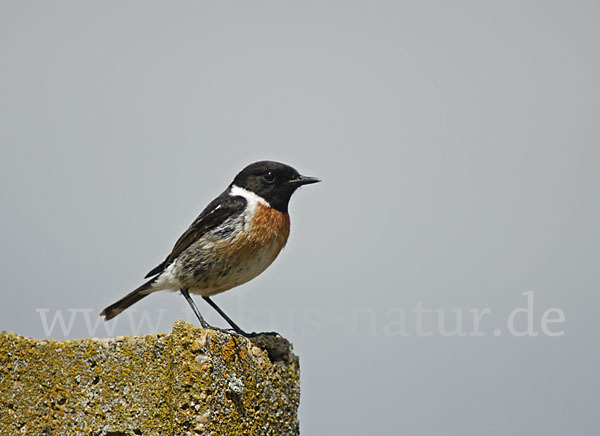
[[133, 297]]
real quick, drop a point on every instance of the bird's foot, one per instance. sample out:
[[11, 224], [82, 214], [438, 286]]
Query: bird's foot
[[255, 334], [237, 332]]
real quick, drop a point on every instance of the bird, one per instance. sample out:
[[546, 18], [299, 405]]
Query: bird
[[234, 239]]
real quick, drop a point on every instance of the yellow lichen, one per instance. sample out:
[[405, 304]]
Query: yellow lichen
[[148, 384]]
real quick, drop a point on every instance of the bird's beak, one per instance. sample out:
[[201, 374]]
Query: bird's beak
[[303, 180]]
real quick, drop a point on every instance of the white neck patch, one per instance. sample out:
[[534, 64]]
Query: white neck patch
[[252, 198]]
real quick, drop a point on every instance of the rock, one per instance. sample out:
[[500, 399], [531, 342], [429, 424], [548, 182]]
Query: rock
[[189, 382]]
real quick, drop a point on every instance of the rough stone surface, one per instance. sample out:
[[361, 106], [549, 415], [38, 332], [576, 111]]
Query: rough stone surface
[[189, 382]]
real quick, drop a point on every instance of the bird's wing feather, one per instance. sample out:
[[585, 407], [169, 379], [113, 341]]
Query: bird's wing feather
[[217, 211]]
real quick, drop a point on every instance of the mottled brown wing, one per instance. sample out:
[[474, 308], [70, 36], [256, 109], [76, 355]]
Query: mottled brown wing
[[221, 208]]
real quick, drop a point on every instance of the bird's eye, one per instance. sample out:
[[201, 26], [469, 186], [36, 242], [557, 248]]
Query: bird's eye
[[269, 176]]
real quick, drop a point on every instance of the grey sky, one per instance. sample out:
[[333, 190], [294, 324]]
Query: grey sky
[[458, 145]]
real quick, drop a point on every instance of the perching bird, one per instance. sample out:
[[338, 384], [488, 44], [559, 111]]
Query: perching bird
[[235, 238]]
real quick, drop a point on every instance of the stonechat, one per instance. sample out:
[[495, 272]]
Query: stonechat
[[235, 238]]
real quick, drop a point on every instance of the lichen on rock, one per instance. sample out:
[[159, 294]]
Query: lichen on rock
[[189, 382]]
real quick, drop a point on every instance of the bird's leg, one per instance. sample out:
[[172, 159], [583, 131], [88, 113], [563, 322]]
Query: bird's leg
[[186, 294], [235, 327], [203, 323]]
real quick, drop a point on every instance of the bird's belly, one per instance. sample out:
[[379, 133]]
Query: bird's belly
[[216, 273], [218, 265], [239, 271]]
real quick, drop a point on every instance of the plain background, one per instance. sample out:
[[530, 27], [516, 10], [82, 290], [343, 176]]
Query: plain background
[[458, 144]]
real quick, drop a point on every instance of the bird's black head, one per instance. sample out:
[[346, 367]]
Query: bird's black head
[[273, 181]]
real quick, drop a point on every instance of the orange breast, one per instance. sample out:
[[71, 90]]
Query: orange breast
[[269, 227], [266, 235]]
